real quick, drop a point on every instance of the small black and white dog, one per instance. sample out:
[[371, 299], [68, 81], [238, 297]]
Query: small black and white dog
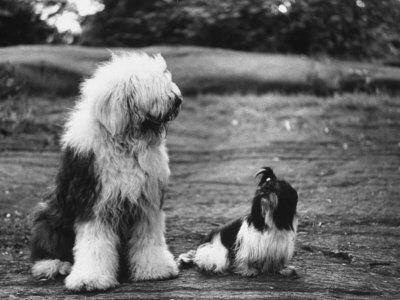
[[261, 242]]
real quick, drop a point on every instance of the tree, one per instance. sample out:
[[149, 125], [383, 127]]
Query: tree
[[20, 24], [342, 28]]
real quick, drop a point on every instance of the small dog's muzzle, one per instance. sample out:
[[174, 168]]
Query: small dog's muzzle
[[272, 201]]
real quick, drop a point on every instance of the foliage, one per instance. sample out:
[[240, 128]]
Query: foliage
[[58, 70], [355, 28], [10, 83], [20, 24]]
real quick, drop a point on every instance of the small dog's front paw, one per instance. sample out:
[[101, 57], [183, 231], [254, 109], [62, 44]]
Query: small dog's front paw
[[288, 271], [77, 281], [248, 272], [162, 266]]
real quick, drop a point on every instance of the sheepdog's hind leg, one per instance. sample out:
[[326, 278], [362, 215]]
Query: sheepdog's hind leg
[[95, 257], [148, 254], [51, 247]]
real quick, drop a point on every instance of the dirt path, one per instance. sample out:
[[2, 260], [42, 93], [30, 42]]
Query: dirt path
[[341, 153]]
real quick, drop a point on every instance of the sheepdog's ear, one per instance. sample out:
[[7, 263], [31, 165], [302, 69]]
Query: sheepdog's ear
[[160, 60], [265, 174], [109, 103], [113, 113]]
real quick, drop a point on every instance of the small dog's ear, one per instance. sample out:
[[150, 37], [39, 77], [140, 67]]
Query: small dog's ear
[[265, 174], [263, 207], [269, 204]]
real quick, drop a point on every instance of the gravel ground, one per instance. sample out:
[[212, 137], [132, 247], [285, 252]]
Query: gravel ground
[[341, 153]]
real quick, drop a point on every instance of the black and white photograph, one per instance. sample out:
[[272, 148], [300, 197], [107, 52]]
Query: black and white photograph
[[199, 149]]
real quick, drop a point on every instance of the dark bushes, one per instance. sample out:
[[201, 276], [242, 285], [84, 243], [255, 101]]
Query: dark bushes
[[20, 24], [341, 28]]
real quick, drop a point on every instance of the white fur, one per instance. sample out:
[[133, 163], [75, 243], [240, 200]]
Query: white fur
[[256, 252], [263, 251], [131, 78], [149, 254], [124, 177], [212, 256], [96, 258], [126, 167], [49, 268], [119, 96]]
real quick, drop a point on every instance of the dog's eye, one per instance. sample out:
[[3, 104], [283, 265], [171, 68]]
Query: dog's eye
[[268, 179]]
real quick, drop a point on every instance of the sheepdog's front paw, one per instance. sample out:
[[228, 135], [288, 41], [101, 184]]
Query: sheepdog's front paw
[[154, 264], [78, 281]]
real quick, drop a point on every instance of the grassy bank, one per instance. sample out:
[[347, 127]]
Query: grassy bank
[[59, 69]]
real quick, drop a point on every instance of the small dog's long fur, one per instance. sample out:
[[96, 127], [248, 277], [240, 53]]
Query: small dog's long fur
[[106, 210], [261, 242]]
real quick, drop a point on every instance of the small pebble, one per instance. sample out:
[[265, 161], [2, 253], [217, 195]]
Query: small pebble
[[287, 125], [235, 122]]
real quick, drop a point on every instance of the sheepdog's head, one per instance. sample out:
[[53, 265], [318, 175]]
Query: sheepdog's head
[[133, 95], [275, 201]]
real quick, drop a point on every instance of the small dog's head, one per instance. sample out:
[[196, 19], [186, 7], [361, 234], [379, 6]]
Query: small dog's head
[[133, 94], [275, 201]]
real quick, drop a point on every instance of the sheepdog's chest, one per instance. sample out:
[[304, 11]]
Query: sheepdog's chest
[[132, 177]]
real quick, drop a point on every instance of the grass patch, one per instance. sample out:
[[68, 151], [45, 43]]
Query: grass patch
[[59, 69]]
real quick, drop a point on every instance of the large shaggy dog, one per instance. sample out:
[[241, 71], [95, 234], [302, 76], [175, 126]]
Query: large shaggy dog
[[106, 210]]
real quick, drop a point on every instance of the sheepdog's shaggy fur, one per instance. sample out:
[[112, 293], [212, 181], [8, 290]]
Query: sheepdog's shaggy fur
[[261, 242], [106, 210]]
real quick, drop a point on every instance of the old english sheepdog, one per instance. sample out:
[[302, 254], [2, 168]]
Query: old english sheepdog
[[105, 214], [261, 242]]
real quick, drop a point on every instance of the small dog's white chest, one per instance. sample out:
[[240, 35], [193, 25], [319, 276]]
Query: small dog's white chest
[[266, 249]]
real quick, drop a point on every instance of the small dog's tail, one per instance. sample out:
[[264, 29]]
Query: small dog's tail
[[186, 260]]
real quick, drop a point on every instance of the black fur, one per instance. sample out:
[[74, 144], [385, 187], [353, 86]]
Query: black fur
[[284, 213], [77, 188], [256, 217], [229, 234], [265, 173]]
